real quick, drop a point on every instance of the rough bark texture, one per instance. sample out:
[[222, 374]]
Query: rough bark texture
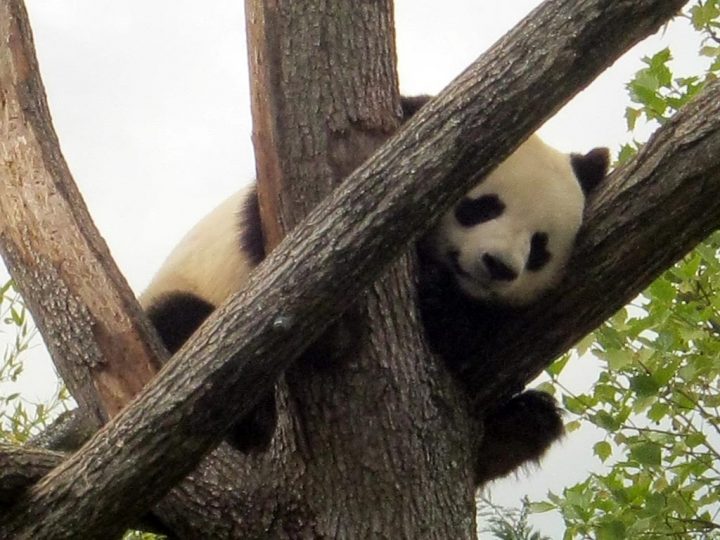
[[88, 316], [306, 283], [304, 148], [22, 467], [68, 432]]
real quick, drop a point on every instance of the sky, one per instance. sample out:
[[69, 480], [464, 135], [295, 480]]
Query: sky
[[150, 101]]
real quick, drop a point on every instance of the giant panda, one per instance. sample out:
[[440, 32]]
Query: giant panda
[[501, 247]]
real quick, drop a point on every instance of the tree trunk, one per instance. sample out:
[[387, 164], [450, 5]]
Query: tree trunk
[[378, 486]]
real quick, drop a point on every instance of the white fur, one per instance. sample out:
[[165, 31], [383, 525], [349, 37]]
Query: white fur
[[208, 261], [541, 194], [536, 184]]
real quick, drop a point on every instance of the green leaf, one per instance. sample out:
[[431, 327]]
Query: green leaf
[[644, 385], [709, 51], [695, 439], [612, 529], [618, 358], [658, 411], [606, 421], [558, 365], [547, 387], [647, 454], [631, 117], [645, 82], [17, 316], [602, 450], [626, 152], [572, 426], [662, 290], [654, 504], [541, 506]]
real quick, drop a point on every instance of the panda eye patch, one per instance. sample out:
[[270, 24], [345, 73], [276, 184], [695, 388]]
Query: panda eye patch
[[539, 254], [470, 212]]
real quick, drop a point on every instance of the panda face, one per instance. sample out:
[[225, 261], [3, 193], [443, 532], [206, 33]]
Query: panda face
[[508, 240]]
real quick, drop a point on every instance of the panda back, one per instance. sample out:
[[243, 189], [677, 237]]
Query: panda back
[[210, 261]]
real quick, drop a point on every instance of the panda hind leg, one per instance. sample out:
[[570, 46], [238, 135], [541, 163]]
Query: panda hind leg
[[176, 316], [518, 433]]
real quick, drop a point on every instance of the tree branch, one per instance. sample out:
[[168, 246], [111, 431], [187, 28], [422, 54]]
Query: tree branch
[[242, 349], [89, 318], [648, 215], [21, 467]]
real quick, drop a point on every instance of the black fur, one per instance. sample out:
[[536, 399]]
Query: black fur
[[463, 332], [255, 431], [590, 168], [252, 240], [176, 316], [517, 433], [459, 329], [471, 212], [412, 104], [539, 254]]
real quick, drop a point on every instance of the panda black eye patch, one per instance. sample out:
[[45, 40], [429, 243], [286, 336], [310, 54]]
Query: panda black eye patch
[[470, 212], [539, 254]]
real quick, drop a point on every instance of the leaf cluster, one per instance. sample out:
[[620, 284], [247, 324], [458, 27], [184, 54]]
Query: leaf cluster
[[658, 399], [19, 419], [655, 92]]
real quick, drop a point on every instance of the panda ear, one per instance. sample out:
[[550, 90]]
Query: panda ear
[[412, 104], [590, 168]]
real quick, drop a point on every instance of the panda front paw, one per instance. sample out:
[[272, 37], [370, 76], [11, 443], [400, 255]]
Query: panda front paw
[[518, 433]]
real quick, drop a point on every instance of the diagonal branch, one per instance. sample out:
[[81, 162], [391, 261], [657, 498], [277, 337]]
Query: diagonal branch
[[648, 215], [82, 305], [22, 467]]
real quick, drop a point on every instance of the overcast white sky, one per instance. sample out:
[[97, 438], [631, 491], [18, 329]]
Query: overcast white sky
[[150, 102]]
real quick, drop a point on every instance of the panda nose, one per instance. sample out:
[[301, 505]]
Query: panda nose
[[497, 269]]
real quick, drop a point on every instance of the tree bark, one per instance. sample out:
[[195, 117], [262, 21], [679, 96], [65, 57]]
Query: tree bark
[[243, 349], [22, 467], [301, 156], [647, 216], [82, 305]]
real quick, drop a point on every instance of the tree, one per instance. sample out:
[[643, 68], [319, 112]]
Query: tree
[[417, 435]]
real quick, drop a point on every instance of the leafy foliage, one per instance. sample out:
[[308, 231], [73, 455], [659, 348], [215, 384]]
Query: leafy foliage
[[658, 400], [140, 535], [655, 93], [20, 419], [508, 523]]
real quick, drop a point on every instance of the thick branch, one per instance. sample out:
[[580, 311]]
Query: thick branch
[[21, 467], [301, 154], [647, 216], [88, 316], [247, 344]]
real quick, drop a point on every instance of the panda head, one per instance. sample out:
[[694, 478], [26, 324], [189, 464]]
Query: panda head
[[507, 241]]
